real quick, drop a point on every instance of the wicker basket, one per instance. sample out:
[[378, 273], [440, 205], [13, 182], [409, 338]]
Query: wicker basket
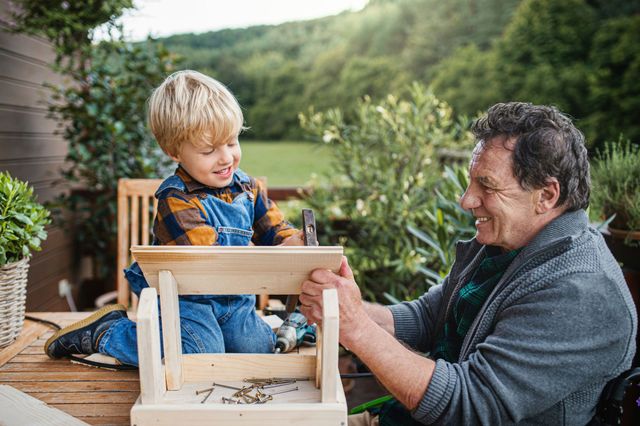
[[13, 293]]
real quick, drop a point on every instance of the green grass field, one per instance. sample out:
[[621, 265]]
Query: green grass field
[[285, 163]]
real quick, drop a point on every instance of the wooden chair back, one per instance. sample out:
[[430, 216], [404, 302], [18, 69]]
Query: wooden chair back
[[137, 207]]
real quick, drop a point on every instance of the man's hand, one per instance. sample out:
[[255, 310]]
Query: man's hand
[[352, 313], [296, 239]]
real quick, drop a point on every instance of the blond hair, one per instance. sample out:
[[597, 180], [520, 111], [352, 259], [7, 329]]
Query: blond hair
[[190, 106]]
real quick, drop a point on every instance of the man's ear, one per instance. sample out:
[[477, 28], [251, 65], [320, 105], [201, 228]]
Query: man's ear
[[548, 196], [175, 157]]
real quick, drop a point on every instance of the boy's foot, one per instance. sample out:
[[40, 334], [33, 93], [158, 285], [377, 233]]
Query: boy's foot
[[82, 337]]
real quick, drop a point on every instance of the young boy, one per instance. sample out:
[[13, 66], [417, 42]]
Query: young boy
[[208, 201]]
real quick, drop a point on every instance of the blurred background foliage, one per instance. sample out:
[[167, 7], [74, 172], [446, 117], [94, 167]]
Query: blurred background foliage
[[387, 171], [580, 55]]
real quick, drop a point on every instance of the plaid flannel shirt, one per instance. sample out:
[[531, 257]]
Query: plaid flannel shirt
[[182, 219], [468, 302]]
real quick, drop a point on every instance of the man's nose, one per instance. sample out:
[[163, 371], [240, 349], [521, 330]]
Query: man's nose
[[469, 200]]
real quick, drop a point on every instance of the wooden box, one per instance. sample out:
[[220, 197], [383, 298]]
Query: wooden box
[[168, 386]]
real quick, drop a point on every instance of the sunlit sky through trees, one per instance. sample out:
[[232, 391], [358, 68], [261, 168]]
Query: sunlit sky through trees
[[166, 17]]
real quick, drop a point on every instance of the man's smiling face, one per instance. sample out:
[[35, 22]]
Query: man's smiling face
[[505, 212]]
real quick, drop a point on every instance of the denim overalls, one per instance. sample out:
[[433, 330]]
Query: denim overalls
[[209, 324]]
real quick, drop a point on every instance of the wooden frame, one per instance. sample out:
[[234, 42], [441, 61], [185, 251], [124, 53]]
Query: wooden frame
[[168, 386]]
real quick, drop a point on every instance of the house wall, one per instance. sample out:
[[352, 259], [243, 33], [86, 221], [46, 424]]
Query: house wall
[[31, 151]]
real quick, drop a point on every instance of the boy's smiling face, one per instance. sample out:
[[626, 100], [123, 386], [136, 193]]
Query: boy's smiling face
[[211, 165]]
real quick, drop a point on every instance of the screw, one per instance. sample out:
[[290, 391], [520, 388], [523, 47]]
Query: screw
[[229, 401], [228, 386], [198, 392], [283, 391], [206, 397]]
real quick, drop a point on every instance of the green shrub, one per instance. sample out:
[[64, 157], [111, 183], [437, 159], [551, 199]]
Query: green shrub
[[22, 220], [384, 175], [103, 115], [615, 176]]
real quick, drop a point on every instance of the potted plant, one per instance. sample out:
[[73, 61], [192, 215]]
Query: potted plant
[[615, 178], [22, 222]]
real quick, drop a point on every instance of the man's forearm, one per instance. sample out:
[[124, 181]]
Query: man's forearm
[[403, 372], [381, 315]]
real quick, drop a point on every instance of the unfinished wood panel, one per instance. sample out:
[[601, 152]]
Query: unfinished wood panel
[[152, 386], [171, 338], [18, 408], [202, 367], [244, 415], [330, 374], [214, 270]]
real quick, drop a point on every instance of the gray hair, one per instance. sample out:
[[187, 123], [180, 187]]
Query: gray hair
[[547, 145]]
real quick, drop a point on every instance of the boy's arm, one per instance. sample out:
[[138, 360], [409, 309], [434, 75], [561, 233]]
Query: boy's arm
[[181, 220], [269, 226]]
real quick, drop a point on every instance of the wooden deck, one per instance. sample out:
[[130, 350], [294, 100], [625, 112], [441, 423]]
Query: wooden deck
[[95, 396]]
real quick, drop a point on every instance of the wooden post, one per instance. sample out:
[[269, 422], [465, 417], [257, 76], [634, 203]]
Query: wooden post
[[123, 245], [330, 327], [152, 386], [171, 338]]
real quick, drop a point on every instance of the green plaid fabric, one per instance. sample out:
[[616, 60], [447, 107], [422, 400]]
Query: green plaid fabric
[[468, 302]]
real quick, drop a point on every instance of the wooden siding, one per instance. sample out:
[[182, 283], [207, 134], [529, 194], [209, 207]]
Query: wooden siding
[[31, 151]]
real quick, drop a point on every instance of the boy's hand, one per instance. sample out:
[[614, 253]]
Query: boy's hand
[[296, 239]]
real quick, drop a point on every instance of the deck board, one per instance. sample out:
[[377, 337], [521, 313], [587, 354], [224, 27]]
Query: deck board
[[95, 396]]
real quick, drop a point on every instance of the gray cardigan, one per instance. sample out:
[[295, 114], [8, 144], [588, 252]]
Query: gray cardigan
[[557, 327]]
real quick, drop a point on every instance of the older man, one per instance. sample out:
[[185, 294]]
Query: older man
[[534, 317]]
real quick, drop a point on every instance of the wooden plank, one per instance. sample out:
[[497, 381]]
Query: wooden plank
[[46, 367], [236, 270], [17, 120], [144, 212], [107, 420], [330, 325], [18, 408], [139, 186], [19, 67], [203, 367], [33, 49], [34, 170], [23, 94], [77, 386], [30, 332], [26, 146], [152, 383], [87, 397], [54, 376], [122, 285], [243, 415], [319, 356], [93, 410], [171, 336], [135, 219]]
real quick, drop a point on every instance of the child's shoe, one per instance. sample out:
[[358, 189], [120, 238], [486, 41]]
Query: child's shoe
[[82, 337]]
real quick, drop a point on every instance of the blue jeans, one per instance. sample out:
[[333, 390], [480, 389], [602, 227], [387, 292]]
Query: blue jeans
[[208, 324]]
